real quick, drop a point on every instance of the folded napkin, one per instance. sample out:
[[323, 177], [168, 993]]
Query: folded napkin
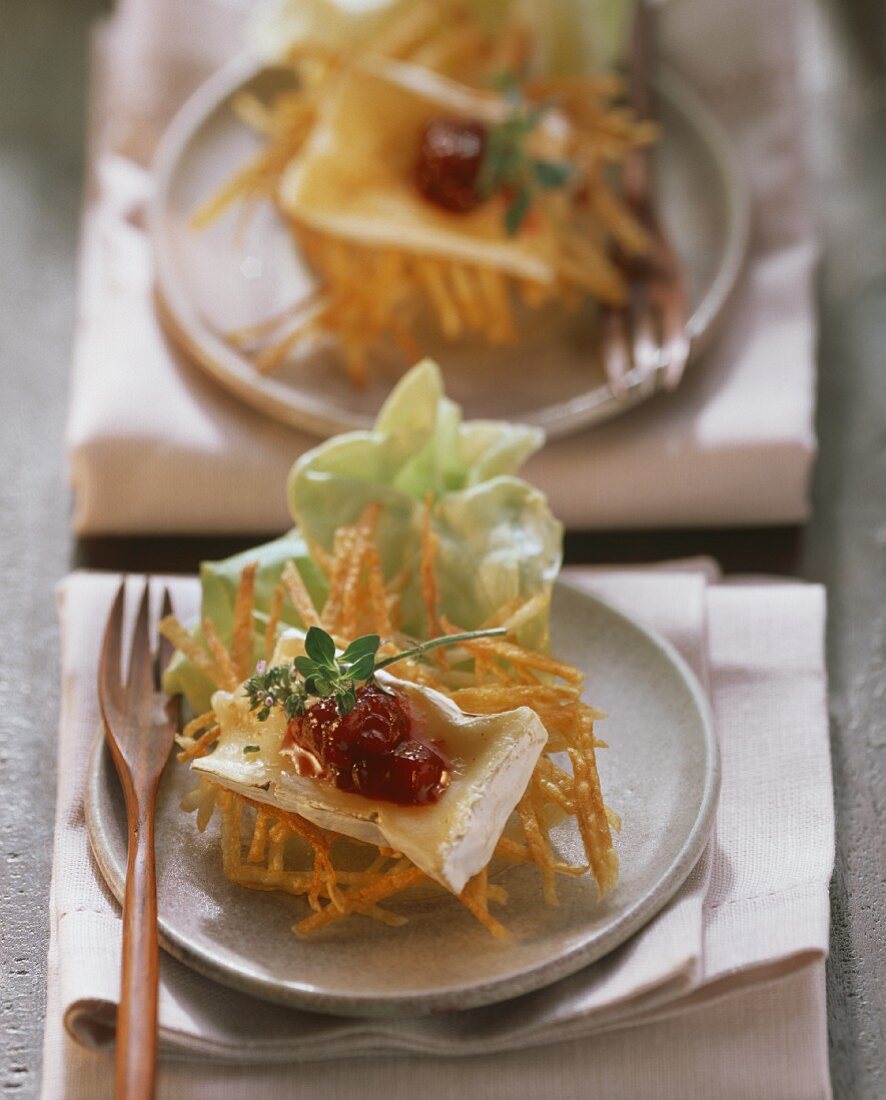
[[722, 994], [732, 445]]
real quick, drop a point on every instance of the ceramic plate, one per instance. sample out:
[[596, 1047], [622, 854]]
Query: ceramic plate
[[661, 773], [244, 269]]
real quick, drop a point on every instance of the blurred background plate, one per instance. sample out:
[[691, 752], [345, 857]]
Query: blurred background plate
[[244, 268]]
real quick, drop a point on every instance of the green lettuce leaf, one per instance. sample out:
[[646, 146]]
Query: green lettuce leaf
[[496, 536], [572, 36]]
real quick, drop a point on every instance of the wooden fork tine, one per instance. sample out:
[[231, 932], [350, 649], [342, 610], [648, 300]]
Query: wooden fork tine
[[110, 666], [616, 351], [141, 675], [659, 345], [165, 648], [646, 348], [675, 343]]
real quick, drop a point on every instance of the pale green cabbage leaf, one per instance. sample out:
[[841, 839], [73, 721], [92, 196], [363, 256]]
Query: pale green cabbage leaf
[[496, 536], [573, 36], [497, 539]]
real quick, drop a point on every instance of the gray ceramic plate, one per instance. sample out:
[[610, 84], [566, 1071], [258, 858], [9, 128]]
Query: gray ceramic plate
[[661, 773], [242, 270]]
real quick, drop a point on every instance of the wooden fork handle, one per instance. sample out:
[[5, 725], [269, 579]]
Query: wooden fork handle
[[137, 1015]]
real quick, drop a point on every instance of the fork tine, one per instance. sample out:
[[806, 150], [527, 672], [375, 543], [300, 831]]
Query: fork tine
[[141, 676], [110, 673], [675, 342], [646, 346], [616, 351], [165, 648]]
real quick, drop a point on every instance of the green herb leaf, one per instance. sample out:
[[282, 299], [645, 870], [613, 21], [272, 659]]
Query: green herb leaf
[[507, 165], [320, 647], [319, 685], [293, 707], [360, 648], [549, 173], [363, 668], [508, 83], [305, 665], [346, 700], [517, 210], [252, 748], [322, 676]]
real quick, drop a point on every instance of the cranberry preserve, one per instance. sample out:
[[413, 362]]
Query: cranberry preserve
[[449, 160], [372, 750]]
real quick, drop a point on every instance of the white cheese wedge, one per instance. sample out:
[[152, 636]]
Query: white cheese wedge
[[450, 840], [354, 176]]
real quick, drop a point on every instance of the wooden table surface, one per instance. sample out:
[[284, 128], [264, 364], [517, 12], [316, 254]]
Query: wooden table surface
[[43, 48]]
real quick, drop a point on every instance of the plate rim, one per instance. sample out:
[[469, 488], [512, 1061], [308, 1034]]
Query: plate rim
[[467, 996], [273, 398]]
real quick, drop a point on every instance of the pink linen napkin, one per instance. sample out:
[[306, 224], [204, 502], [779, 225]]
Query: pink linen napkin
[[732, 446], [722, 994]]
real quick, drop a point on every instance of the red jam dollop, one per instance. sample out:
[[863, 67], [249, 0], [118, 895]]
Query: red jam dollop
[[371, 751], [450, 156]]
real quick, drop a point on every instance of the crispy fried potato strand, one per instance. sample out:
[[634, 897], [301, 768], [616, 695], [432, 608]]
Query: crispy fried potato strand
[[320, 557], [475, 898], [388, 884], [273, 623], [223, 661], [537, 843], [354, 573], [196, 726], [244, 605], [378, 597], [299, 595], [231, 810], [201, 746], [286, 824], [526, 658], [173, 630], [429, 592], [258, 846], [343, 543], [591, 812], [431, 274]]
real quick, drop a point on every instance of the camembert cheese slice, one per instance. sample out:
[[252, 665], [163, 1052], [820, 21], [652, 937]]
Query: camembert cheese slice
[[492, 756]]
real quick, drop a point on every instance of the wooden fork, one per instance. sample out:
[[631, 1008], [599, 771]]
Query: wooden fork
[[645, 342], [139, 727]]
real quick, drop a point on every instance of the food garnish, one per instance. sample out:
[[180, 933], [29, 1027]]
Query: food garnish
[[345, 726], [465, 162], [357, 762], [450, 160], [322, 673]]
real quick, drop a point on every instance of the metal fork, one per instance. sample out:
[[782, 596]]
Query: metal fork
[[139, 727], [644, 342]]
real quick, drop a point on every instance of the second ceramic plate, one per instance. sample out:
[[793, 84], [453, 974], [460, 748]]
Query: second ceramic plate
[[242, 270], [661, 773]]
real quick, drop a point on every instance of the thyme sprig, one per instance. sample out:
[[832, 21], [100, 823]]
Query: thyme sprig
[[508, 167], [321, 673]]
